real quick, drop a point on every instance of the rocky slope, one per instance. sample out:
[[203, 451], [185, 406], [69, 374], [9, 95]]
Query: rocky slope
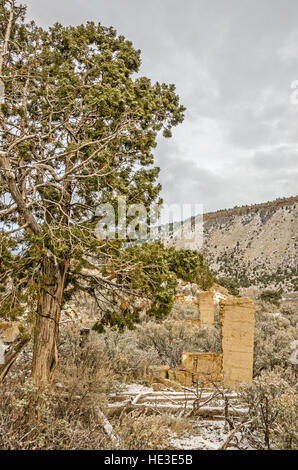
[[255, 245]]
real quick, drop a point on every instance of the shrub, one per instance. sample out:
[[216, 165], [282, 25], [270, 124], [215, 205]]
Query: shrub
[[273, 337], [65, 416], [126, 357], [272, 412], [229, 284], [286, 431], [169, 339], [271, 296], [291, 313], [52, 420], [138, 431]]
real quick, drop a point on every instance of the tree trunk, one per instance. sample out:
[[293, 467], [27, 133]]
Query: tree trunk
[[45, 354]]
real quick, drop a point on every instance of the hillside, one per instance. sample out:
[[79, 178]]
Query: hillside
[[255, 245]]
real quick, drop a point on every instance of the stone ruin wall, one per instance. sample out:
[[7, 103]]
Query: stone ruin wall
[[206, 309], [234, 364], [237, 321]]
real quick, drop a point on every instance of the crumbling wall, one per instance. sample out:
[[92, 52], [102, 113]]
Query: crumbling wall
[[207, 365], [159, 372], [234, 364], [183, 377], [216, 288], [237, 317], [206, 308]]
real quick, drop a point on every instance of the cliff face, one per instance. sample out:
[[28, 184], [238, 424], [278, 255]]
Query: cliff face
[[255, 244]]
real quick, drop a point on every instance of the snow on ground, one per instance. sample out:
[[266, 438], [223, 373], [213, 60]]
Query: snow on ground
[[137, 388], [205, 434], [211, 436]]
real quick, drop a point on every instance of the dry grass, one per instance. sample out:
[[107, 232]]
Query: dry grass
[[66, 416]]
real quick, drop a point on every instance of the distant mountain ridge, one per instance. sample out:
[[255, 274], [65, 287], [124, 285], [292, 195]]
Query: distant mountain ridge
[[255, 245], [280, 202]]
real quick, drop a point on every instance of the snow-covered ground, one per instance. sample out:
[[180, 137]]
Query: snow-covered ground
[[208, 435], [204, 433]]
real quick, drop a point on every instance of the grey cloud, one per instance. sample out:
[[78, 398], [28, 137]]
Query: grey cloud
[[282, 158]]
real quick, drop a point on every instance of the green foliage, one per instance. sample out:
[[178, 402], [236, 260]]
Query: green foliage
[[153, 272], [125, 319], [190, 266], [271, 296], [229, 284], [89, 124]]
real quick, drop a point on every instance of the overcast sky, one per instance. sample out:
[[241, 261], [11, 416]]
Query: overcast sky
[[233, 62]]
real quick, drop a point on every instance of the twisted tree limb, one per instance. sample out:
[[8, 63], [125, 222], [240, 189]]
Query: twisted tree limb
[[11, 356]]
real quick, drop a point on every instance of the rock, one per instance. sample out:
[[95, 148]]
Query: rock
[[9, 331], [158, 372]]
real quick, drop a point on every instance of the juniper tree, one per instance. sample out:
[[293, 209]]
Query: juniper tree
[[78, 127]]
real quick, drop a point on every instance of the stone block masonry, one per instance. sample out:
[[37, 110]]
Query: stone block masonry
[[232, 366], [206, 309], [203, 365], [237, 319], [159, 372]]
